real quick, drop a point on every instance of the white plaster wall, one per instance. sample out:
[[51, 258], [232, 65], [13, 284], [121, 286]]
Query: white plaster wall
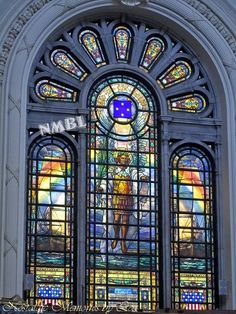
[[192, 27]]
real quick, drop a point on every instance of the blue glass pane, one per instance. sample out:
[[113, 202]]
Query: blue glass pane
[[122, 109]]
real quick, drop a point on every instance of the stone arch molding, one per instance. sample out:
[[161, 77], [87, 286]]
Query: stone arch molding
[[23, 39]]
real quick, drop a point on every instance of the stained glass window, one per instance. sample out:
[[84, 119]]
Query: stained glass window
[[126, 177], [192, 239], [188, 103], [122, 215], [92, 46], [50, 222], [153, 49], [67, 63], [49, 90], [122, 40], [178, 72]]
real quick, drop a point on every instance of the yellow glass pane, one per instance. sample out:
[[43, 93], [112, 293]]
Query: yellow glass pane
[[192, 279], [122, 87], [100, 277], [104, 96], [141, 100], [122, 129]]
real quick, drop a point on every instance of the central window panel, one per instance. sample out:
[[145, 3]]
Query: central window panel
[[122, 199]]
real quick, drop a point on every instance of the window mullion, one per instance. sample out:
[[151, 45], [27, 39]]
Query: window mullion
[[165, 225], [81, 231]]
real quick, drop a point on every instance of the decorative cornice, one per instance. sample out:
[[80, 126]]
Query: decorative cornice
[[33, 8], [16, 28], [215, 21]]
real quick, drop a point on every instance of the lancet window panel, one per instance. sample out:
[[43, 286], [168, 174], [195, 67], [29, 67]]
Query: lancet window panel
[[195, 102], [51, 216], [192, 230], [153, 50], [92, 45], [122, 214], [47, 89], [67, 63], [122, 37], [177, 72]]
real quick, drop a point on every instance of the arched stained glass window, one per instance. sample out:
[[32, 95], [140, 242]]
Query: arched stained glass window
[[67, 63], [192, 225], [152, 51], [50, 221], [178, 72], [133, 118], [92, 46], [123, 256], [49, 90], [122, 40], [188, 103]]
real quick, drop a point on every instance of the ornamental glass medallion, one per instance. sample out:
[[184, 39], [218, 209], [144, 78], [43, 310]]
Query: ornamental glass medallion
[[122, 215], [50, 222], [192, 220]]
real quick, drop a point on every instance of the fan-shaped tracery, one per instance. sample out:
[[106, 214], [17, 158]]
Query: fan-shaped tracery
[[154, 58]]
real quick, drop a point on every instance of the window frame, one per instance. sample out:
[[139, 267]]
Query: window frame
[[174, 126]]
